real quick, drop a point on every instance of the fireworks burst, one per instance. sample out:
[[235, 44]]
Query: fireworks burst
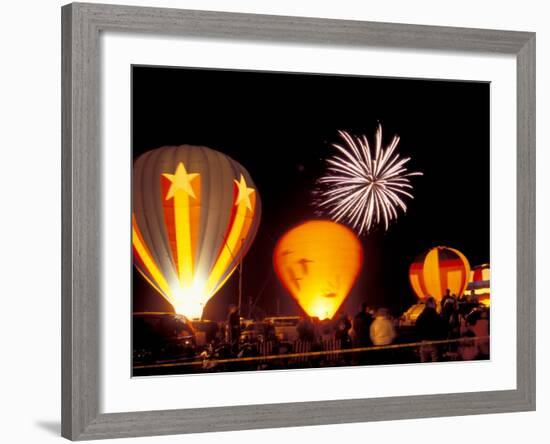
[[364, 188]]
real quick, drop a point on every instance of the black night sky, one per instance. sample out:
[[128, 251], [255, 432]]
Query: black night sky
[[280, 126]]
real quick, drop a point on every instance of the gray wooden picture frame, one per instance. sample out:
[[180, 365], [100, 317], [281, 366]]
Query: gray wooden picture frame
[[81, 206]]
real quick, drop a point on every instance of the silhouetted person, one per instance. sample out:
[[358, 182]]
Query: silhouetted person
[[445, 297], [343, 326], [361, 327], [451, 317], [234, 327], [473, 299], [361, 331], [306, 330], [430, 327], [450, 313]]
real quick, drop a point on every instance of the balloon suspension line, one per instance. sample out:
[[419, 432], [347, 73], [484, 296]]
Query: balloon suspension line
[[266, 281], [240, 269]]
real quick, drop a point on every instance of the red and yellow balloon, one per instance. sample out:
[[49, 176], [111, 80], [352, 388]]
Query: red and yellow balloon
[[439, 269], [195, 214], [480, 283], [318, 263]]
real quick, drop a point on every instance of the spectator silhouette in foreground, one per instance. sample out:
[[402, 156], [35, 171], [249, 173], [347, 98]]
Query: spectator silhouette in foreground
[[361, 327], [306, 329], [445, 297], [342, 328], [360, 331], [430, 327], [233, 327], [342, 334], [451, 316]]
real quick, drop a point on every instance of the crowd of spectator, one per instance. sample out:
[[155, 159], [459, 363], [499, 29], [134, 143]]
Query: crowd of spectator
[[453, 329]]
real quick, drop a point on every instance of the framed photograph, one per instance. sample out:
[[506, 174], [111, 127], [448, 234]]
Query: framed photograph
[[278, 221]]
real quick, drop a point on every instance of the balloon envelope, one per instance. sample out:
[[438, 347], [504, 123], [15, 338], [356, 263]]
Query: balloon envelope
[[480, 283], [318, 263], [195, 214], [439, 269]]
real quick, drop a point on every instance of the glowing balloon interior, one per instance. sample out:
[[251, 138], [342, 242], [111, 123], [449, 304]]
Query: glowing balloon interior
[[195, 214], [318, 263], [437, 270]]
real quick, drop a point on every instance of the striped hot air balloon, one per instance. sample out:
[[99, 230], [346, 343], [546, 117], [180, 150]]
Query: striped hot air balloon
[[439, 269], [480, 283], [195, 214]]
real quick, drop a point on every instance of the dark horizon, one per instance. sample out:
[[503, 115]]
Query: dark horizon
[[280, 127]]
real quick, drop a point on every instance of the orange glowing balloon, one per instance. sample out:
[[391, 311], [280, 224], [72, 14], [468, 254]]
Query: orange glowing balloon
[[439, 269], [318, 263]]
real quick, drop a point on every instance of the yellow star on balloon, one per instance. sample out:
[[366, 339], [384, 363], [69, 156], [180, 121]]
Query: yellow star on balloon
[[244, 193], [181, 180]]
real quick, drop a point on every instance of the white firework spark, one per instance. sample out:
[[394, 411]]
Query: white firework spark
[[364, 188]]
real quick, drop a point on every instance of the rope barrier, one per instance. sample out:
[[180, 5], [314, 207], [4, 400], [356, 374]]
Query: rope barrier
[[308, 354]]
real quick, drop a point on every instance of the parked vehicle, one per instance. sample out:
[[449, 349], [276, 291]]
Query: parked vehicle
[[285, 327], [257, 331], [408, 319], [162, 336], [205, 332]]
